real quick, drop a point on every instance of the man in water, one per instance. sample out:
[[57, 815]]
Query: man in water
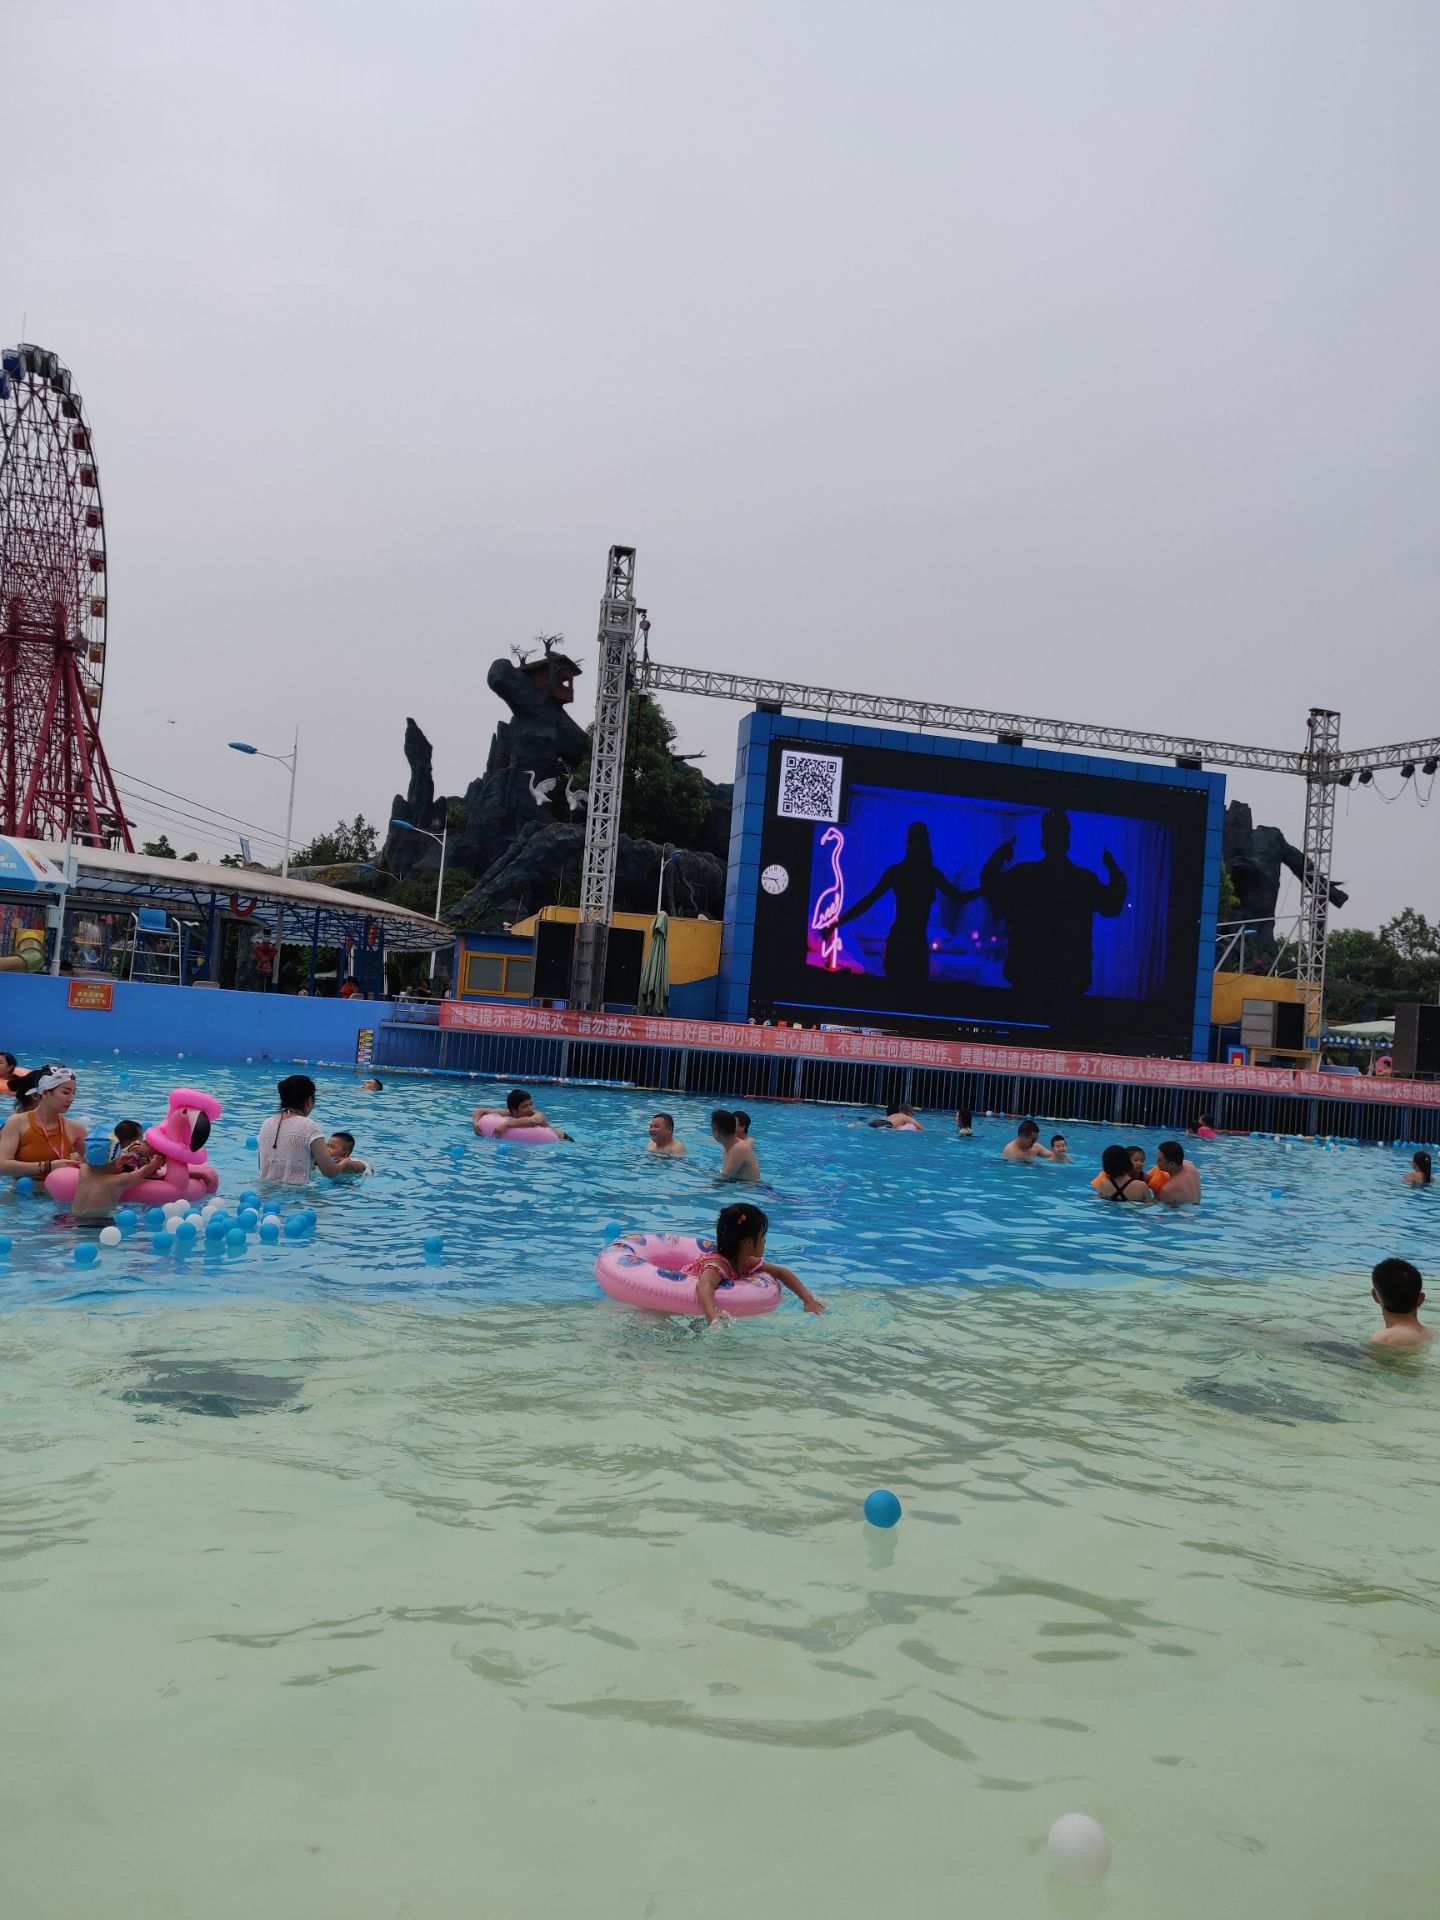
[[372, 1086], [1398, 1290], [738, 1160], [662, 1137], [97, 1192], [1026, 1144], [519, 1110], [1180, 1186], [1048, 907], [900, 1119]]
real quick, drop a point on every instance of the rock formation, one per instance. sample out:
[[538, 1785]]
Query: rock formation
[[1254, 857]]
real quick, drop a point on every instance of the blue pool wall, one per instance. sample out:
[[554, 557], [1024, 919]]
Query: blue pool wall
[[36, 1022], [760, 730]]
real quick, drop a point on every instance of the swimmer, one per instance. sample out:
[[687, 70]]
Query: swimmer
[[98, 1190], [291, 1143], [742, 1123], [1137, 1160], [964, 1128], [341, 1148], [126, 1133], [739, 1254], [1174, 1179], [1204, 1128], [1118, 1179], [900, 1119], [1398, 1290], [1026, 1144], [8, 1071], [738, 1160], [372, 1086], [519, 1110], [37, 1137], [1419, 1173], [1059, 1148], [662, 1138]]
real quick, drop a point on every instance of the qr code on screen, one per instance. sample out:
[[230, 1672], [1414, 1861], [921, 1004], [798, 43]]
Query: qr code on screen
[[809, 786]]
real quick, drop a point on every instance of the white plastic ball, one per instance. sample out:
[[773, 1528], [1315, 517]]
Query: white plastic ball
[[1078, 1849], [271, 1220], [110, 1236]]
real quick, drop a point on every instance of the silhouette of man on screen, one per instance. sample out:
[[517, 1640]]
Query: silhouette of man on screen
[[1048, 907]]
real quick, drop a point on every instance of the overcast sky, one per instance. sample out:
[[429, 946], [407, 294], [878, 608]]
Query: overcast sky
[[1075, 359]]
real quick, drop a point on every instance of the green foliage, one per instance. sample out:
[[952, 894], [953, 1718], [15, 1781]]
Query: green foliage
[[160, 849], [231, 860], [1367, 975], [419, 894], [353, 841], [1229, 898], [662, 798]]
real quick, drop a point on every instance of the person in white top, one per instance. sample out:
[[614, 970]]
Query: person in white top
[[291, 1143]]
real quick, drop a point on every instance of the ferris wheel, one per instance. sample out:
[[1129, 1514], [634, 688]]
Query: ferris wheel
[[55, 781]]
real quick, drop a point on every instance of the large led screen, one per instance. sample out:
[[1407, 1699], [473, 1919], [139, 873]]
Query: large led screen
[[968, 897]]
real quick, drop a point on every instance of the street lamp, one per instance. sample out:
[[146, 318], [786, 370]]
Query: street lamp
[[440, 839], [668, 856], [289, 760]]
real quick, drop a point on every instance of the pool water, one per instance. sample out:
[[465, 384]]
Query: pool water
[[339, 1579]]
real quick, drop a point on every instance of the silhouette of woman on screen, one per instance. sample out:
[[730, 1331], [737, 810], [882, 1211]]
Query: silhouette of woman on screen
[[914, 881]]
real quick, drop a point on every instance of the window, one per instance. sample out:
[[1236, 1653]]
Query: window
[[520, 976], [510, 975]]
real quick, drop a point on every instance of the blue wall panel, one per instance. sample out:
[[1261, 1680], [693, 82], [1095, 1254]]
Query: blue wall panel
[[203, 1024]]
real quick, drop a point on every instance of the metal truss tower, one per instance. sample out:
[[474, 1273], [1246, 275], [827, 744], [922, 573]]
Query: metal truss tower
[[1322, 746], [607, 774]]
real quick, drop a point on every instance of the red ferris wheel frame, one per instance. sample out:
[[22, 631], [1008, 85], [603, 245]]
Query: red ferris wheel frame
[[55, 780]]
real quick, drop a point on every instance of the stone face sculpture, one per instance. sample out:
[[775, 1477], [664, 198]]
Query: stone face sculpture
[[1254, 858]]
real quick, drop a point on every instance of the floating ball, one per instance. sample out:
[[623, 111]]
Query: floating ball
[[86, 1254], [248, 1219], [249, 1198], [272, 1220], [296, 1226], [1078, 1849], [216, 1229], [24, 1184], [235, 1239], [882, 1508], [251, 1143], [184, 1232], [433, 1243], [612, 1231], [110, 1236], [163, 1242], [1277, 1193], [457, 1152], [127, 1219], [154, 1219], [269, 1231]]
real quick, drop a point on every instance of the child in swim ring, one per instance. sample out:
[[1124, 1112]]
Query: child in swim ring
[[739, 1255]]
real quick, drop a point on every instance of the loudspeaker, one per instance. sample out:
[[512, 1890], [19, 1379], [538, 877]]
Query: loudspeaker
[[624, 953], [554, 949], [1290, 1025], [1417, 1042]]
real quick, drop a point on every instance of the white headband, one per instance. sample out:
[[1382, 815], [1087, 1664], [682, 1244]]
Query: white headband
[[53, 1077]]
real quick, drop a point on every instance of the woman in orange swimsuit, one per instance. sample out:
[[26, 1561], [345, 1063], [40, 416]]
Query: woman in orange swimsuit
[[38, 1141]]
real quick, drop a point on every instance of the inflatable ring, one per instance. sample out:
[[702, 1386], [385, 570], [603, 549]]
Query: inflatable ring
[[189, 1175], [488, 1123], [242, 909], [650, 1270]]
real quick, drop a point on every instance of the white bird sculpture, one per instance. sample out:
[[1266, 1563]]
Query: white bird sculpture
[[541, 790]]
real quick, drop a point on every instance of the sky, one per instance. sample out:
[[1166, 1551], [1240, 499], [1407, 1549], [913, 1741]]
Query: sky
[[1069, 360]]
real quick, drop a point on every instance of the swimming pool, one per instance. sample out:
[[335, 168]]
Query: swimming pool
[[340, 1580]]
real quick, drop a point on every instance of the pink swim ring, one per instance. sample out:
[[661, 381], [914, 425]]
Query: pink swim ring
[[656, 1270], [489, 1125], [189, 1175]]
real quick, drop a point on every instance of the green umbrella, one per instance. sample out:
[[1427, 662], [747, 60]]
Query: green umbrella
[[655, 974]]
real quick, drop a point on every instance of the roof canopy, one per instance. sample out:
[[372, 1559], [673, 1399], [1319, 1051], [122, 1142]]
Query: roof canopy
[[191, 889], [25, 869]]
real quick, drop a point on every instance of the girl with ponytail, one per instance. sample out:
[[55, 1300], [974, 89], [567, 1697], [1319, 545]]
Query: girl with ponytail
[[740, 1252]]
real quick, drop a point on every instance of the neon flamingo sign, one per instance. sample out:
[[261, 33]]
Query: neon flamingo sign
[[825, 916]]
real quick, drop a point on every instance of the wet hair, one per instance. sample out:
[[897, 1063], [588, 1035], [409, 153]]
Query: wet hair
[[1205, 1121], [1115, 1161], [348, 1138], [742, 1222], [377, 1083], [1060, 1137], [294, 1090], [1027, 1128], [127, 1132], [517, 1098], [742, 1121], [1171, 1150], [1132, 1151], [962, 1117], [8, 1061], [1398, 1284], [723, 1121], [668, 1118], [24, 1087], [890, 1112], [1421, 1164]]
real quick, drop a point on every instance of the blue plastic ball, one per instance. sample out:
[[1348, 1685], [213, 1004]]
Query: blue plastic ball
[[186, 1230], [216, 1228], [86, 1254], [269, 1232], [295, 1226], [249, 1198], [1277, 1193], [127, 1219], [248, 1218], [162, 1242], [457, 1152], [24, 1184], [882, 1508], [154, 1219], [251, 1143], [235, 1239], [433, 1243], [612, 1231]]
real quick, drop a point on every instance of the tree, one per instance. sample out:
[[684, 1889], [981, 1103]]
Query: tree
[[348, 843], [1412, 936], [160, 849], [662, 798], [1367, 975]]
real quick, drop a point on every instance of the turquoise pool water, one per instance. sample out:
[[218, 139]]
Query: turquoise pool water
[[337, 1580]]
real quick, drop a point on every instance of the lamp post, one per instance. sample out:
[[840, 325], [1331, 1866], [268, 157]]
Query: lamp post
[[441, 839], [290, 760], [668, 856]]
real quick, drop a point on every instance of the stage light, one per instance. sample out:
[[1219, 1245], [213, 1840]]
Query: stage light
[[1191, 762], [1366, 776], [1011, 739], [1430, 766], [1407, 772], [1345, 778]]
